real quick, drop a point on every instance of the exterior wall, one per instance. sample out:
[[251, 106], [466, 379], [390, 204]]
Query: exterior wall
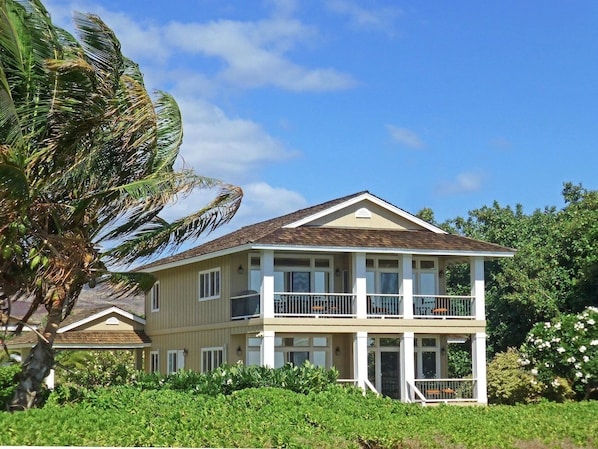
[[101, 324], [380, 218]]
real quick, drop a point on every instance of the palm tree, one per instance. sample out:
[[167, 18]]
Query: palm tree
[[87, 163]]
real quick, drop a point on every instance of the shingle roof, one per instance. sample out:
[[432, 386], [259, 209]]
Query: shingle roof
[[273, 232], [97, 339]]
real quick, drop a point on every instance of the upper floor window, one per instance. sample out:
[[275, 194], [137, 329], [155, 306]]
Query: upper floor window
[[209, 284], [155, 297]]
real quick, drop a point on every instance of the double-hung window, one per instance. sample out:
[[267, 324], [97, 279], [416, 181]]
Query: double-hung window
[[154, 362], [211, 358], [155, 297], [209, 284], [176, 361]]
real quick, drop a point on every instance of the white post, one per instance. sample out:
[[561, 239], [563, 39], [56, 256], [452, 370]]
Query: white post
[[477, 287], [359, 285], [361, 358], [407, 286], [407, 364], [49, 380], [268, 349], [478, 355], [267, 288]]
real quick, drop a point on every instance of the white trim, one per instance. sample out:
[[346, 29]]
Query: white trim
[[212, 351], [153, 299], [368, 196], [95, 316]]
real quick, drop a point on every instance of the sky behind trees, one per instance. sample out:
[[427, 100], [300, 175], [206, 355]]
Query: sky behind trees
[[426, 104]]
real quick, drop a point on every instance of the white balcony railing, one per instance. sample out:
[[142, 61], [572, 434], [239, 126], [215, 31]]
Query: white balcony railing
[[380, 305], [314, 304], [247, 305], [443, 306], [444, 390]]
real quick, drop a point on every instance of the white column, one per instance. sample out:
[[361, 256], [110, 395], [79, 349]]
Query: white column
[[477, 287], [360, 359], [407, 364], [407, 286], [267, 288], [359, 286], [478, 355], [268, 349], [49, 380]]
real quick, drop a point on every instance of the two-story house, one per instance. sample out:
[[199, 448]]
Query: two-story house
[[355, 283]]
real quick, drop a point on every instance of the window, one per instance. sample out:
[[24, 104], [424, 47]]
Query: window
[[211, 358], [176, 361], [209, 284], [155, 297], [154, 362], [425, 286], [302, 274], [297, 350]]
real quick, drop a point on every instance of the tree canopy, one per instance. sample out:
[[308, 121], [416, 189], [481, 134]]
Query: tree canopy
[[87, 164]]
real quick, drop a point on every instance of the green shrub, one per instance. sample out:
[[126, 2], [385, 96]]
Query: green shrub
[[95, 369], [228, 378], [8, 382], [508, 382]]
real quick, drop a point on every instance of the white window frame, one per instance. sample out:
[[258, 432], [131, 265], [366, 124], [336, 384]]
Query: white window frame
[[211, 289], [175, 360], [154, 362], [214, 354], [155, 297]]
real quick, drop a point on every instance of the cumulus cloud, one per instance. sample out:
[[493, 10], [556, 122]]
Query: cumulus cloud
[[224, 147], [464, 183], [405, 137]]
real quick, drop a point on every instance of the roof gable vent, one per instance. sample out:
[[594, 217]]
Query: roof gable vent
[[112, 320], [363, 213]]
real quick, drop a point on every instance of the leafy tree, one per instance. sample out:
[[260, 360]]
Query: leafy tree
[[554, 271], [95, 369], [87, 163], [565, 348]]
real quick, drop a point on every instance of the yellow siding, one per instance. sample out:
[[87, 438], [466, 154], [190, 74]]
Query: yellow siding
[[380, 218]]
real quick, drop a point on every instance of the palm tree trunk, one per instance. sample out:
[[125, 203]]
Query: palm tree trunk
[[40, 360]]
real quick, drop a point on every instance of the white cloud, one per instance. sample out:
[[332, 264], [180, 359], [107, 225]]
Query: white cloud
[[405, 137], [372, 17], [464, 183], [254, 53], [227, 148]]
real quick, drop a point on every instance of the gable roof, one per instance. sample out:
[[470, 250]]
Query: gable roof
[[293, 231]]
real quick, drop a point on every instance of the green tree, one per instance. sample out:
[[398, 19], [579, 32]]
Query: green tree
[[554, 271], [87, 163]]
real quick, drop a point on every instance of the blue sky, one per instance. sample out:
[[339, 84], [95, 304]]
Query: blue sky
[[446, 105]]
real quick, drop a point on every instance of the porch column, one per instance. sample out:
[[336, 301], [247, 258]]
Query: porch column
[[407, 364], [268, 349], [478, 359], [360, 359], [359, 286], [477, 287], [267, 287], [407, 286]]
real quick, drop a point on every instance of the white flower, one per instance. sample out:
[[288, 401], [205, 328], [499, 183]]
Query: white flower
[[594, 343], [557, 326], [582, 349], [571, 359], [578, 374], [546, 325], [534, 371], [586, 359], [591, 322], [578, 326], [560, 349], [555, 383]]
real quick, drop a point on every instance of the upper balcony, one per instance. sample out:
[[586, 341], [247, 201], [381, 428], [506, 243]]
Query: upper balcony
[[334, 305]]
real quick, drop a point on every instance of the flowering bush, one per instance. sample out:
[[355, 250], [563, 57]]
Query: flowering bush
[[565, 349]]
